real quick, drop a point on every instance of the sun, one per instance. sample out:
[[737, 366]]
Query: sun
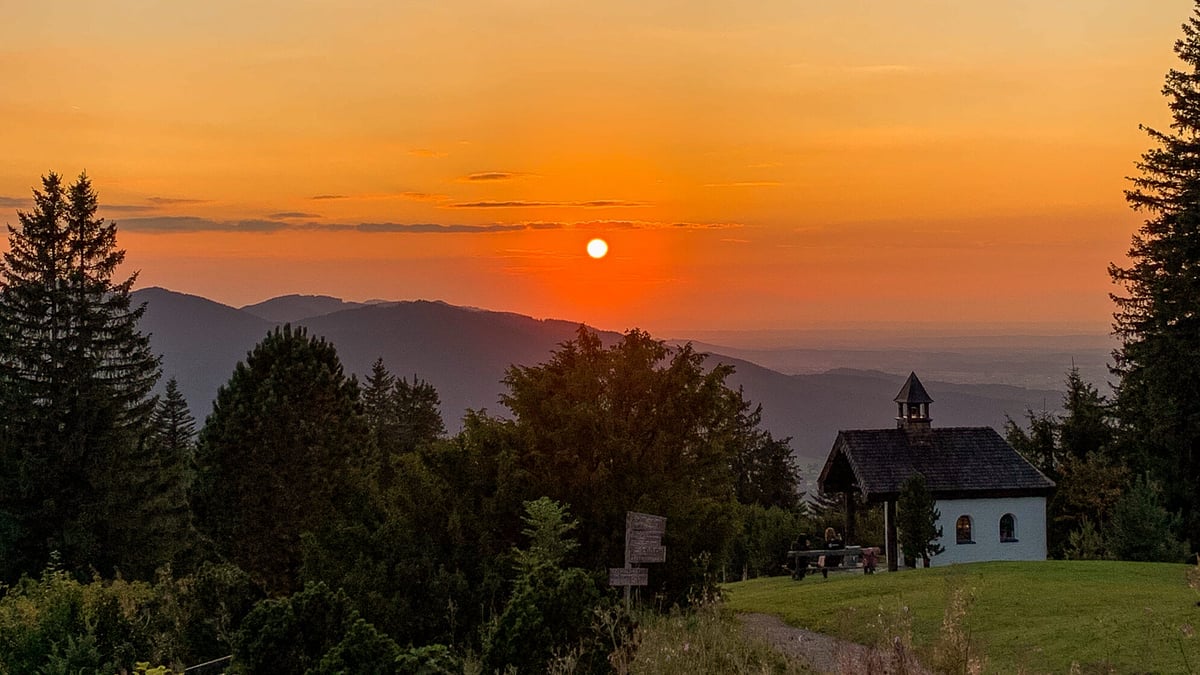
[[597, 248]]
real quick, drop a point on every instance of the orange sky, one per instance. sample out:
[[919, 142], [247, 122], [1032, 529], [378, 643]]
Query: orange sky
[[775, 164]]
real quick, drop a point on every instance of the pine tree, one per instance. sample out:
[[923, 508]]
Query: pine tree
[[281, 454], [1158, 308], [419, 419], [76, 370]]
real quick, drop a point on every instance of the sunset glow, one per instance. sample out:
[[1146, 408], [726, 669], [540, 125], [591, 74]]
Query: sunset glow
[[773, 165]]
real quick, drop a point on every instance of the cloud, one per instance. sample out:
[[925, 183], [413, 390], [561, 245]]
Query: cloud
[[490, 175], [415, 197], [293, 214], [329, 197], [126, 208], [279, 222], [17, 202], [707, 226], [180, 224], [432, 228], [745, 184], [594, 204], [427, 153], [169, 201]]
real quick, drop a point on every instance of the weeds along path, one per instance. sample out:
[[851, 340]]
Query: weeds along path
[[823, 653]]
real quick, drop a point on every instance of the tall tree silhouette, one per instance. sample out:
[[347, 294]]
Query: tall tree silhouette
[[77, 373], [1158, 309]]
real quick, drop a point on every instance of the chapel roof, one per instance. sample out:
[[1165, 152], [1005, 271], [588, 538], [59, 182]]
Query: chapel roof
[[913, 391], [957, 462]]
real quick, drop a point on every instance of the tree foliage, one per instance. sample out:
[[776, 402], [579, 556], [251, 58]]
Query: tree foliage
[[1141, 529], [916, 520], [552, 606], [1157, 313], [74, 363], [633, 427], [1077, 451], [281, 454]]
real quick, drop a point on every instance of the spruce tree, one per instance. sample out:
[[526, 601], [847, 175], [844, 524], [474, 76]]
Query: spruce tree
[[1157, 313], [77, 374], [152, 521]]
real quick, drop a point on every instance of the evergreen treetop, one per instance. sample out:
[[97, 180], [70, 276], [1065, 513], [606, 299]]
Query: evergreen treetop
[[1157, 313]]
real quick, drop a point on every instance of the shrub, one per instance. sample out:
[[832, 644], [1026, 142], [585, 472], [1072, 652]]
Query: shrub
[[1141, 529]]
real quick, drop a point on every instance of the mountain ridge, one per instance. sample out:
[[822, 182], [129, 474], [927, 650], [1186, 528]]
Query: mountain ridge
[[465, 352]]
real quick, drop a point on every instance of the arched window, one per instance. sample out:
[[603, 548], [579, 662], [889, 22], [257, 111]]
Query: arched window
[[962, 530], [1008, 527]]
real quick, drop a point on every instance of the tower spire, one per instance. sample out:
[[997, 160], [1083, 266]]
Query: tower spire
[[913, 405]]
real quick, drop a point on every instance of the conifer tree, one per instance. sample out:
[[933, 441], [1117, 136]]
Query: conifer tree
[[76, 371], [282, 453], [1157, 313], [916, 520], [152, 525]]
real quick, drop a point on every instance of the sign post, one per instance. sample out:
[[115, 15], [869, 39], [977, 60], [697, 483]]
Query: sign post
[[643, 544]]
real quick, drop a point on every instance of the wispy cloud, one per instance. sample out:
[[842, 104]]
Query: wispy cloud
[[16, 202], [433, 228], [330, 197], [286, 221], [490, 176], [127, 208], [182, 224], [170, 201], [427, 153], [746, 184], [413, 197], [293, 214], [593, 204]]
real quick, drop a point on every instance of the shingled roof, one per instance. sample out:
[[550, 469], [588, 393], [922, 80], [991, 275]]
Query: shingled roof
[[957, 462], [913, 391]]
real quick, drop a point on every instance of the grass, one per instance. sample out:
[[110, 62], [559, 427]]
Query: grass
[[1032, 616], [708, 639]]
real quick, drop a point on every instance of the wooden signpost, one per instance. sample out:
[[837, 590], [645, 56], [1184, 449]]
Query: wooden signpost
[[643, 544]]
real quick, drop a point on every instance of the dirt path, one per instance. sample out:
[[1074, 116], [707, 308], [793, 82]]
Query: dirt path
[[821, 653]]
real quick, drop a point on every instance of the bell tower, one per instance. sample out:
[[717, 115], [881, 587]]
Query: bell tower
[[913, 406]]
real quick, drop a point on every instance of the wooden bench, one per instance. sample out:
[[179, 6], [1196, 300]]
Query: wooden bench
[[815, 558]]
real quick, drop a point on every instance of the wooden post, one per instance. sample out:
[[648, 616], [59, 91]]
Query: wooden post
[[889, 518]]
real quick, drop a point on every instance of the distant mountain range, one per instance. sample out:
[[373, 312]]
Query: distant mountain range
[[464, 353]]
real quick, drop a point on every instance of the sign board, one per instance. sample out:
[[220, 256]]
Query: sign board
[[647, 553], [628, 576], [644, 522]]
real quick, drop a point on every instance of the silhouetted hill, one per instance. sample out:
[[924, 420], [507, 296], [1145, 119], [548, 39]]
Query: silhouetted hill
[[294, 308], [464, 352], [200, 341]]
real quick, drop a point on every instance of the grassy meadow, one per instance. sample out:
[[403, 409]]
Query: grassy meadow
[[1033, 617]]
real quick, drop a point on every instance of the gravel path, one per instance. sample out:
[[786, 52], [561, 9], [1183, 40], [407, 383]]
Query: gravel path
[[821, 653]]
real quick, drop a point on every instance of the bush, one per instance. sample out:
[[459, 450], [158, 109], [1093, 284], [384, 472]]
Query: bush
[[55, 624], [1141, 529], [291, 635], [766, 536]]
